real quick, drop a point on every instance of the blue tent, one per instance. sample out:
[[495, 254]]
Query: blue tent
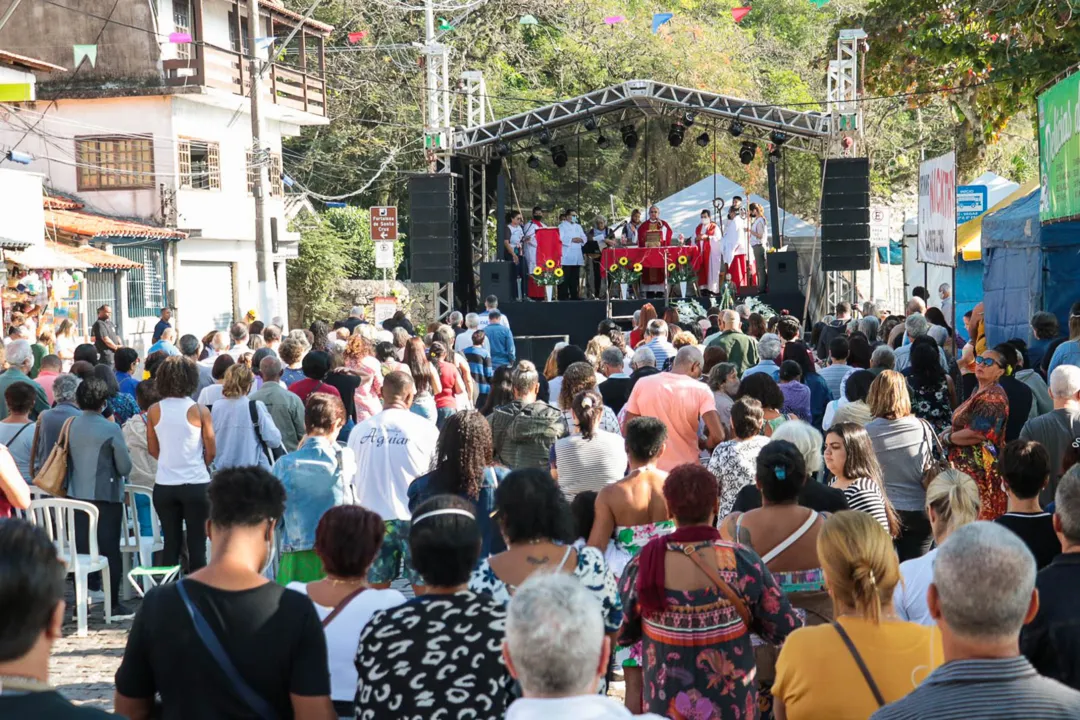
[[1027, 267]]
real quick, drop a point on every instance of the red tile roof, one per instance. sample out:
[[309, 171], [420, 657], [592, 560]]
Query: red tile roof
[[95, 256], [28, 63], [65, 215], [292, 14]]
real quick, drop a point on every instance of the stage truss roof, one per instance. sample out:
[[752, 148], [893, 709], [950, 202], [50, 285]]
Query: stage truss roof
[[631, 100]]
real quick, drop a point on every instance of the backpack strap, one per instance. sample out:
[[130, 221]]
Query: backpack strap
[[709, 568]]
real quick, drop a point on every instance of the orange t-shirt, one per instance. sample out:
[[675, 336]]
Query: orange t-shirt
[[679, 402]]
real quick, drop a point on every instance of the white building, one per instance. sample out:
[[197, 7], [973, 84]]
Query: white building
[[159, 132]]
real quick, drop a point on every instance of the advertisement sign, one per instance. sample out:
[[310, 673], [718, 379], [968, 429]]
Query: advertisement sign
[[971, 202], [383, 223], [937, 211], [880, 218], [1059, 150], [383, 308]]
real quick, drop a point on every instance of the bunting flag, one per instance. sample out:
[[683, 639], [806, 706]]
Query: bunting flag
[[820, 3], [737, 14], [180, 38], [85, 52], [614, 19], [444, 25], [355, 37], [262, 43], [659, 19], [528, 20]]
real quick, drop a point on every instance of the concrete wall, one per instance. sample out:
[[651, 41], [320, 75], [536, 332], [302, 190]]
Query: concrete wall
[[20, 206]]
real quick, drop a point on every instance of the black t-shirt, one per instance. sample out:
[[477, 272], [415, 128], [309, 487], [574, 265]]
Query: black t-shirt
[[1037, 532], [814, 495], [345, 383], [104, 329], [46, 706], [272, 635]]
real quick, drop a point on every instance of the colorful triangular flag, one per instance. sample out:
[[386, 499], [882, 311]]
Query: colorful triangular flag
[[444, 25], [737, 14], [820, 3], [614, 19], [659, 19], [355, 37], [85, 52], [262, 43], [528, 20], [180, 38]]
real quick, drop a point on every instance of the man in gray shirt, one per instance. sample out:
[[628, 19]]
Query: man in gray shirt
[[191, 347], [286, 408], [1057, 431]]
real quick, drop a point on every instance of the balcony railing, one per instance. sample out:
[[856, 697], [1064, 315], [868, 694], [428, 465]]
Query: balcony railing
[[228, 70]]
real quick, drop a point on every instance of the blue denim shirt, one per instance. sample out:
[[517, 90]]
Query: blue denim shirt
[[501, 341], [426, 487], [317, 477]]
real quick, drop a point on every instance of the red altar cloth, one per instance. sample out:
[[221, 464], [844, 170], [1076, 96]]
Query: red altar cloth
[[548, 247], [650, 257]]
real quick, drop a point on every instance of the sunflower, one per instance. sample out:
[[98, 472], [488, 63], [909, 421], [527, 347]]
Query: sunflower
[[683, 259], [549, 264], [637, 267], [671, 267], [537, 271], [613, 268], [624, 260], [558, 272]]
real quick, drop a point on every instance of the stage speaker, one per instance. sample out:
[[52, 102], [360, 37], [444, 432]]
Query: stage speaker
[[497, 278], [845, 214], [537, 347], [433, 228], [783, 271]]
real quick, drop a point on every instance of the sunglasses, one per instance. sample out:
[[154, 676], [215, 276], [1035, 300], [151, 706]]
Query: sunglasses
[[987, 362]]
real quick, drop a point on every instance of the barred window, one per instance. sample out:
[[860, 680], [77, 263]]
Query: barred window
[[275, 171], [200, 164], [182, 24], [146, 286], [105, 163]]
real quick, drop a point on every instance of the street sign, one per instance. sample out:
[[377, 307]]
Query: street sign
[[384, 255], [879, 225], [971, 202], [384, 223]]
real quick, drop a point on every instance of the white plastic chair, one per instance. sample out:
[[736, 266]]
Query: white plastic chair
[[132, 540], [35, 494], [57, 517]]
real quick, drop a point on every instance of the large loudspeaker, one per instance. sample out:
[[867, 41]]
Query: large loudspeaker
[[497, 278], [783, 272], [433, 228], [845, 215]]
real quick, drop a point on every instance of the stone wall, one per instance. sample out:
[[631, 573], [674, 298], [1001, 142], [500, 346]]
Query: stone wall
[[417, 299]]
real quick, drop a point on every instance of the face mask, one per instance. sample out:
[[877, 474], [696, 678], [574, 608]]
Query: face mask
[[573, 218], [538, 216]]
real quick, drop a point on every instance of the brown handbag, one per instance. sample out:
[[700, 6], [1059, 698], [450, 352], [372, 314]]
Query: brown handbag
[[714, 575], [52, 478]]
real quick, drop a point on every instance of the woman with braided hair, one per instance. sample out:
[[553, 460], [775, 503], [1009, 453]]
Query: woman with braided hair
[[464, 466]]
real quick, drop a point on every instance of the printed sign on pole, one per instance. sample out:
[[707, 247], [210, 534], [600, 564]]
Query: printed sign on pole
[[383, 309], [384, 255], [384, 223], [971, 202], [1059, 150], [879, 225], [937, 211]]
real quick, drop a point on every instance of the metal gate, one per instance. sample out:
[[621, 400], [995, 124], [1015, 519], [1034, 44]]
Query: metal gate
[[101, 290]]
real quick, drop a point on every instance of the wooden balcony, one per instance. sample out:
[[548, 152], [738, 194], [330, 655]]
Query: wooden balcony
[[216, 67]]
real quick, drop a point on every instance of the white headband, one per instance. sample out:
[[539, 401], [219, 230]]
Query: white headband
[[445, 511]]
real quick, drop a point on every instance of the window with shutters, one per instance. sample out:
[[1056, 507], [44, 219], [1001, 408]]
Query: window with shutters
[[276, 188], [106, 163], [146, 285], [182, 24], [200, 164]]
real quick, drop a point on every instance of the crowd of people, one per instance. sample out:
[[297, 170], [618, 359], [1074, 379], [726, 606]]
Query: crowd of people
[[737, 517]]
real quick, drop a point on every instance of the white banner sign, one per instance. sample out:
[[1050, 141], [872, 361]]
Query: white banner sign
[[384, 255], [937, 211], [880, 218]]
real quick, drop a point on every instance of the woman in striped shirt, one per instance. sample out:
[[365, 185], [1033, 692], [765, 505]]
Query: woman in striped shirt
[[849, 456], [591, 459]]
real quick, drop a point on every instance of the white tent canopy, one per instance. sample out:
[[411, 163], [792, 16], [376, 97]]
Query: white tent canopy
[[683, 209]]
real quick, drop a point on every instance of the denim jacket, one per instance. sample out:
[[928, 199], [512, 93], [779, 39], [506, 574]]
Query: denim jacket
[[426, 487], [317, 477]]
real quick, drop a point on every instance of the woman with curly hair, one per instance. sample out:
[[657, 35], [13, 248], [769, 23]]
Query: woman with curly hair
[[766, 391], [465, 466], [320, 329], [360, 360]]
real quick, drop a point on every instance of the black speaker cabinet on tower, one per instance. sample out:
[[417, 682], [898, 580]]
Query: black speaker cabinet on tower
[[497, 278], [783, 272], [845, 215], [433, 228]]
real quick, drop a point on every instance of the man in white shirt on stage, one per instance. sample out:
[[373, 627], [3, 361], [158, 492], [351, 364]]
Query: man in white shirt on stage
[[573, 237], [734, 244]]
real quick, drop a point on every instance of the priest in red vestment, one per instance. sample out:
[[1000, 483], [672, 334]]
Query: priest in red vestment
[[710, 243], [654, 232]]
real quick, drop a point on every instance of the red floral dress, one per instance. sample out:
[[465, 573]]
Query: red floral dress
[[986, 411], [697, 655]]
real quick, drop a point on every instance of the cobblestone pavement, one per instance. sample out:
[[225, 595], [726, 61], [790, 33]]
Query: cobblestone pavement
[[83, 668]]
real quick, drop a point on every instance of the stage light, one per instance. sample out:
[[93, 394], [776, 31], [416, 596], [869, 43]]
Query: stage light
[[675, 135], [590, 123], [747, 152], [774, 154], [559, 156], [736, 128], [688, 118], [544, 136], [629, 136], [602, 142], [502, 148], [778, 138], [533, 162], [703, 140]]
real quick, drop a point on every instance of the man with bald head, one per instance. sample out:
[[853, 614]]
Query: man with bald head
[[681, 401], [392, 448], [741, 349], [285, 407]]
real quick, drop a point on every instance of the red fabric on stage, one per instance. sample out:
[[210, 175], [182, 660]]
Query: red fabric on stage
[[650, 258], [651, 276], [737, 272], [706, 252], [548, 247]]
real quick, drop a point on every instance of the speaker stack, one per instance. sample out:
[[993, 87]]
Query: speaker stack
[[845, 215], [433, 228], [497, 278]]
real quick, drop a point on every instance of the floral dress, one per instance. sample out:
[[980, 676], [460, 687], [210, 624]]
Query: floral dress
[[698, 655], [734, 463], [123, 407], [931, 402], [629, 540], [986, 411]]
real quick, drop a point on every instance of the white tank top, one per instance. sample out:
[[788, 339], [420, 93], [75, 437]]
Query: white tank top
[[180, 455]]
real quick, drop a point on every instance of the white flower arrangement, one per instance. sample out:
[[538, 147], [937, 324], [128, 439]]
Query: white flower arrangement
[[756, 306], [690, 310]]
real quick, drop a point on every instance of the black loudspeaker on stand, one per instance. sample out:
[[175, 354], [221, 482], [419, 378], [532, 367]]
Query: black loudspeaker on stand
[[433, 228], [783, 272], [845, 215], [497, 278]]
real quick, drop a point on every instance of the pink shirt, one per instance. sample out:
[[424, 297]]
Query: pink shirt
[[679, 402], [46, 379]]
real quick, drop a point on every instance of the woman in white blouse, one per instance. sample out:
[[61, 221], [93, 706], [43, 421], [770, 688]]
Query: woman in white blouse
[[239, 442]]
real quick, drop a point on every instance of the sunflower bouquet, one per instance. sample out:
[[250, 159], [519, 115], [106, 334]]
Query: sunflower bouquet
[[681, 270], [622, 272], [549, 274]]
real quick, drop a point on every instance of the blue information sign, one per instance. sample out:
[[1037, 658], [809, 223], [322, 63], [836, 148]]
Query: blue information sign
[[971, 202]]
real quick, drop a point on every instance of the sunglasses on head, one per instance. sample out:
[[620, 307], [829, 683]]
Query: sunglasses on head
[[987, 362]]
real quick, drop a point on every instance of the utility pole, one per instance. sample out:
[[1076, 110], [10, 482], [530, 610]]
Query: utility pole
[[263, 255]]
